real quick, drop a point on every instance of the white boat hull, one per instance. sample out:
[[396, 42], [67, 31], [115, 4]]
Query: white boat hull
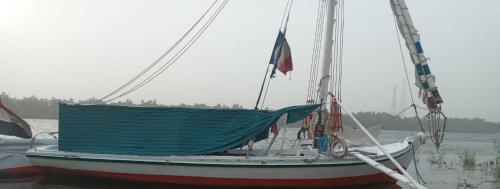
[[13, 161], [15, 165], [283, 171]]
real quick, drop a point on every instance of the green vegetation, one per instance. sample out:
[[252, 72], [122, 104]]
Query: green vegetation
[[45, 108], [497, 167], [438, 159], [391, 122], [469, 159]]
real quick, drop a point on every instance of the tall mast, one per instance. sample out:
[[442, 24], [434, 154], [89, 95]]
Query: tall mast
[[425, 80], [326, 54]]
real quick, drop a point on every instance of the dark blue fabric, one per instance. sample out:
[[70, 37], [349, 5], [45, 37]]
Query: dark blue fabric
[[420, 69], [12, 129], [323, 143], [419, 48], [106, 129], [275, 56], [277, 48]]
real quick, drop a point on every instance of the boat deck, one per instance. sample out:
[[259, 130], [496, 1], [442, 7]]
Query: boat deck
[[238, 156]]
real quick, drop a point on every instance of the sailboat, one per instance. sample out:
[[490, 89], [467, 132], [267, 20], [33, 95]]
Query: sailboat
[[214, 147]]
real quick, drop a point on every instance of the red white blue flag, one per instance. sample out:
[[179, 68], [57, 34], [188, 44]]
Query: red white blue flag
[[13, 125], [281, 57]]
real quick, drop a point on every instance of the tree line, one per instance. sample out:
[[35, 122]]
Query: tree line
[[47, 108], [391, 122]]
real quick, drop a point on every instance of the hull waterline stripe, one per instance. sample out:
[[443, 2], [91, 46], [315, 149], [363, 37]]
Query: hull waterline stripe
[[19, 171], [207, 181], [205, 164]]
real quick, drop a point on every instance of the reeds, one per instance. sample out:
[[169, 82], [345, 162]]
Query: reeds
[[469, 159], [497, 167]]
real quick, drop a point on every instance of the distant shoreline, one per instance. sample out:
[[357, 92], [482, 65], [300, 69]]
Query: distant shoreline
[[384, 128], [43, 108]]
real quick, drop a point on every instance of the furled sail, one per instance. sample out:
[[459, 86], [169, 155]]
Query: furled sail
[[13, 125], [159, 131]]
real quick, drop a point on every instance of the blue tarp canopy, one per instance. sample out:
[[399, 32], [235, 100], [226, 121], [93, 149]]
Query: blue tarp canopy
[[159, 131]]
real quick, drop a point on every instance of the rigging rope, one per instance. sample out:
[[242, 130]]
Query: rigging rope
[[265, 95], [312, 92], [333, 68], [430, 95], [286, 14], [319, 48], [338, 50], [419, 177], [407, 77], [283, 26], [162, 56], [335, 120], [173, 59], [342, 21], [313, 74], [262, 88]]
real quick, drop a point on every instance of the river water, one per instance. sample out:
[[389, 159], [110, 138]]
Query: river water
[[444, 169]]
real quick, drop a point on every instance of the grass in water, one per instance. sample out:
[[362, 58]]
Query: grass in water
[[438, 159], [497, 167], [469, 159]]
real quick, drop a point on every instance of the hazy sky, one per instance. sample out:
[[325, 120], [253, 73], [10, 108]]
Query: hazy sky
[[83, 49]]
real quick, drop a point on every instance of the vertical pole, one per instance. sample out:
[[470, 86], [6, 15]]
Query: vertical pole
[[280, 123], [262, 88], [394, 106], [326, 54], [283, 139]]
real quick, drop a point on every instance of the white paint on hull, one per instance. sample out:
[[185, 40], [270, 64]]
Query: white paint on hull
[[12, 152], [242, 167], [202, 170]]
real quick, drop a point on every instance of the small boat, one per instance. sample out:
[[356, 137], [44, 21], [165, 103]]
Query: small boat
[[215, 147]]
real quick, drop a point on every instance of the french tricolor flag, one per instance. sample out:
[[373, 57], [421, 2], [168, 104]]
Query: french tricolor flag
[[281, 57], [13, 125]]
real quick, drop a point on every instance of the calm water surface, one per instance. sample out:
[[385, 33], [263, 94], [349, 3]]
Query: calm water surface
[[442, 169]]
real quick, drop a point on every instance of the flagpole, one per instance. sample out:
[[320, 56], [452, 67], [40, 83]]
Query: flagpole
[[275, 58], [262, 88]]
